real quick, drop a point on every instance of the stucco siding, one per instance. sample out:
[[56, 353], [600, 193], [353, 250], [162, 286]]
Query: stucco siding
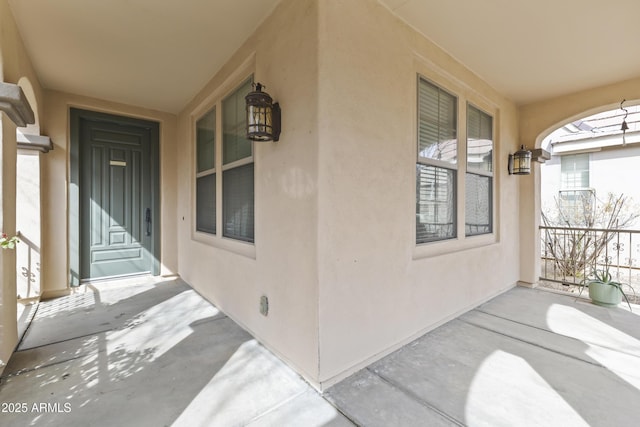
[[282, 55], [378, 290]]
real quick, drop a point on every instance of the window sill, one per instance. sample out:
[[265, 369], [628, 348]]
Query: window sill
[[444, 247], [238, 247]]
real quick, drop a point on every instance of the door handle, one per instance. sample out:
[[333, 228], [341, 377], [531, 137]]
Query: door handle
[[147, 219]]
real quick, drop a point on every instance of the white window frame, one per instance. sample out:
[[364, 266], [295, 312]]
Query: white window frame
[[214, 100], [442, 78]]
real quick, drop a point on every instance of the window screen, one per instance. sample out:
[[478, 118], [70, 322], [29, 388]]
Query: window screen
[[206, 204], [238, 203], [238, 168], [435, 203], [478, 209], [479, 140], [236, 146], [205, 173], [478, 204], [205, 141]]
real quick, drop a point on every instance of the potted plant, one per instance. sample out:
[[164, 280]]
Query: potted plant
[[605, 291]]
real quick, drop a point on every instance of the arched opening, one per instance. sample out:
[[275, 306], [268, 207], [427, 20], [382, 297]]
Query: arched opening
[[589, 199], [536, 122]]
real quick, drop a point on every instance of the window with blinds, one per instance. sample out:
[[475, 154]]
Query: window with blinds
[[237, 168], [436, 124], [238, 203], [479, 176], [436, 168], [206, 173]]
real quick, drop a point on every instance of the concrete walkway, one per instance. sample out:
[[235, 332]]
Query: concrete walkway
[[525, 358], [150, 354], [157, 354]]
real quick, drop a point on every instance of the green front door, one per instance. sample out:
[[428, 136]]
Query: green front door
[[117, 173]]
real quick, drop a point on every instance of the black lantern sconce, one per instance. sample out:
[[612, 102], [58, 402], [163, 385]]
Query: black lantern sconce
[[263, 116], [520, 162]]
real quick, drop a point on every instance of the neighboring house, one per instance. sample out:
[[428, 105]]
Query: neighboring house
[[384, 210], [590, 160]]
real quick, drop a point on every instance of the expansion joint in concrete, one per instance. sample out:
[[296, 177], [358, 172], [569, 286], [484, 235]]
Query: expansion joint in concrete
[[416, 398]]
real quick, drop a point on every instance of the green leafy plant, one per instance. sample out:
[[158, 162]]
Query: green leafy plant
[[604, 277], [7, 242]]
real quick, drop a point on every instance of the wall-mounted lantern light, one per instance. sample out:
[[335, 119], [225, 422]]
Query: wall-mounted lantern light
[[263, 116], [624, 126], [520, 162]]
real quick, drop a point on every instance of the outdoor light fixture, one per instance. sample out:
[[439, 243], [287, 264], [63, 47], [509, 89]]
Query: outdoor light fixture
[[263, 116], [625, 126], [520, 162]]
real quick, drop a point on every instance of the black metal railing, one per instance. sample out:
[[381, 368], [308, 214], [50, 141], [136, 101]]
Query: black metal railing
[[571, 254]]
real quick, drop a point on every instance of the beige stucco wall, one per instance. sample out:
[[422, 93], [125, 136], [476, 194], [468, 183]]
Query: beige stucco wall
[[55, 175], [28, 223], [377, 289], [15, 67], [281, 54], [335, 197]]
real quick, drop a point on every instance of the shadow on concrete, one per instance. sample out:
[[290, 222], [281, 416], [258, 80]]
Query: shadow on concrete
[[147, 354], [526, 357]]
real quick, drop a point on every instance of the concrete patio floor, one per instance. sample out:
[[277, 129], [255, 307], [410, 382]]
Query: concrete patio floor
[[141, 352], [154, 353], [525, 358]]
